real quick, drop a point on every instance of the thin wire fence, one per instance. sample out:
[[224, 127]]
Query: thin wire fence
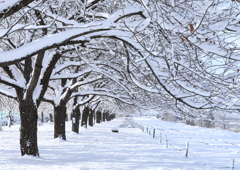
[[148, 129]]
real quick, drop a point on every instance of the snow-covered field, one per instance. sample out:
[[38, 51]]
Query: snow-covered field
[[98, 148]]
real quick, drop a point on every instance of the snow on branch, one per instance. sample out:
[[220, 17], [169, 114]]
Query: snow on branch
[[10, 82], [84, 82], [84, 101], [9, 7], [8, 92], [174, 93], [59, 39], [103, 93], [131, 14], [44, 44], [72, 75]]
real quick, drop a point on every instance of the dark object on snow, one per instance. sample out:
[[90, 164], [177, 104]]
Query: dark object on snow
[[115, 130]]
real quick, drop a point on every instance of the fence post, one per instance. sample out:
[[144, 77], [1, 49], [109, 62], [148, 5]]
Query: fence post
[[160, 137], [166, 142], [233, 161], [187, 146], [153, 133], [42, 117]]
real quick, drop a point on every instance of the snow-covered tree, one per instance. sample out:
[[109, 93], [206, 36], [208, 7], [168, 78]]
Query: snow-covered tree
[[193, 53], [173, 54], [32, 34]]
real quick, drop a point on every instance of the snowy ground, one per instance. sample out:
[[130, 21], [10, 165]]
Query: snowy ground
[[99, 149]]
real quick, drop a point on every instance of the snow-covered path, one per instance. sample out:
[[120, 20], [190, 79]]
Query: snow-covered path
[[98, 148]]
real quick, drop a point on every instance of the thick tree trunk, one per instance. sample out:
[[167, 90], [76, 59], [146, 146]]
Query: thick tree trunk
[[107, 116], [90, 117], [28, 130], [59, 121], [112, 116], [104, 117], [75, 120], [98, 117], [85, 116], [51, 117]]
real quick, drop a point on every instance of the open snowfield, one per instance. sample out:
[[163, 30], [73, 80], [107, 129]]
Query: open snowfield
[[98, 148]]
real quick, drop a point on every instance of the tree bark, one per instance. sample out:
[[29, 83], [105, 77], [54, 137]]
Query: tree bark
[[107, 116], [28, 130], [75, 120], [59, 121], [98, 117], [104, 117], [51, 117], [85, 116], [112, 116], [90, 117]]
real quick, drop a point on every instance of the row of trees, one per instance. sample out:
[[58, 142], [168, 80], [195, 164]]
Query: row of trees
[[140, 53]]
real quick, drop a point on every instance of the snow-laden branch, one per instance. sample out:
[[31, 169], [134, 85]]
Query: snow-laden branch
[[10, 82], [66, 21], [71, 75], [9, 7], [62, 38], [175, 94], [142, 86], [85, 82], [8, 92], [103, 93], [84, 101], [61, 67], [43, 44]]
